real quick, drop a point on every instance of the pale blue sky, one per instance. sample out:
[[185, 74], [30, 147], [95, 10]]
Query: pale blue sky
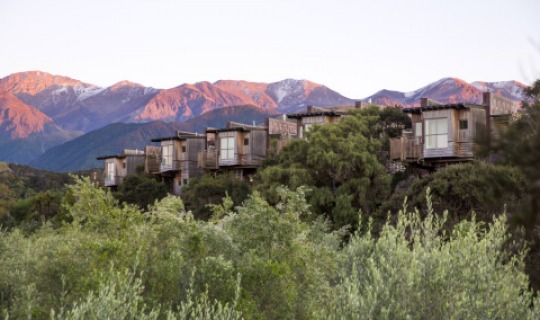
[[353, 47]]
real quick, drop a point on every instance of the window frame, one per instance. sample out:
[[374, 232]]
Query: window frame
[[227, 148], [110, 171], [439, 138], [164, 156], [463, 124]]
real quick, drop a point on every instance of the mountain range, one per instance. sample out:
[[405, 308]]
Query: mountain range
[[449, 90], [39, 111]]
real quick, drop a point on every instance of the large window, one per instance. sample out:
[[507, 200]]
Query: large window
[[436, 133], [111, 171], [167, 155], [226, 148]]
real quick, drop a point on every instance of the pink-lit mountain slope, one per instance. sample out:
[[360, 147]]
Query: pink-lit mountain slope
[[76, 105], [18, 120], [190, 100], [26, 132], [449, 90]]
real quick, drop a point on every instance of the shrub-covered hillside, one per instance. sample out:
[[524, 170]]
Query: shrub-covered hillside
[[256, 261]]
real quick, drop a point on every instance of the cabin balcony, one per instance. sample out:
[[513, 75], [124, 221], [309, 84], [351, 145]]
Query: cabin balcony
[[209, 159], [167, 166], [112, 181], [406, 148]]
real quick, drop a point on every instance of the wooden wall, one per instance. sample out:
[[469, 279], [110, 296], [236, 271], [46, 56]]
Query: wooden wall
[[132, 162]]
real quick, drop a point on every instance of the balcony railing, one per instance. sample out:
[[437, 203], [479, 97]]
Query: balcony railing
[[209, 159], [112, 181], [406, 148], [175, 165]]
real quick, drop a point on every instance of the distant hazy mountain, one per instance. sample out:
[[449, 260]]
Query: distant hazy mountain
[[449, 90], [81, 152]]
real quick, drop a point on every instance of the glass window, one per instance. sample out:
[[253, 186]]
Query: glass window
[[226, 148], [246, 141], [463, 124], [436, 133], [183, 148], [166, 155], [111, 171]]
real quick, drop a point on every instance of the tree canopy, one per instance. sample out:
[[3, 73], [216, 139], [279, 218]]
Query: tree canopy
[[339, 163]]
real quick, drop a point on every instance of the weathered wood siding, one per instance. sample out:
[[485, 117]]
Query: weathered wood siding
[[280, 126], [258, 145], [190, 169], [132, 162], [152, 159], [405, 148]]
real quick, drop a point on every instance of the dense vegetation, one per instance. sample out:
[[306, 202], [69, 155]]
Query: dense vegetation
[[256, 261], [321, 232]]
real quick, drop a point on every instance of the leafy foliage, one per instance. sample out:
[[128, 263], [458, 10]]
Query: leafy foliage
[[416, 270], [108, 260], [140, 190], [200, 194], [465, 189], [339, 163]]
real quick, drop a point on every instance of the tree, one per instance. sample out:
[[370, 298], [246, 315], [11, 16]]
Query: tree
[[519, 146], [140, 190], [417, 270], [339, 163], [475, 188], [200, 193]]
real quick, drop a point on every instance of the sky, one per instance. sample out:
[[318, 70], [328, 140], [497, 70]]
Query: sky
[[353, 47]]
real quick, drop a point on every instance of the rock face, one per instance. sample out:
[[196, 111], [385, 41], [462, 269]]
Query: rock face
[[449, 90], [25, 132], [18, 120]]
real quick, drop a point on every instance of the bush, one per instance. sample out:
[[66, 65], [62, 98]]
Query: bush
[[415, 270]]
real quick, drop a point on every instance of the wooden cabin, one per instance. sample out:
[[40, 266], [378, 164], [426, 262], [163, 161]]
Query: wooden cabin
[[321, 115], [315, 115], [238, 149], [280, 131], [444, 133], [178, 159], [118, 166]]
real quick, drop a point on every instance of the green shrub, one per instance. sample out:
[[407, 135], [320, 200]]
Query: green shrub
[[416, 270]]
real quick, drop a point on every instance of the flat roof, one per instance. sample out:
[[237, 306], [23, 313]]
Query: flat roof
[[241, 129], [419, 110], [119, 156], [316, 113], [179, 137]]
